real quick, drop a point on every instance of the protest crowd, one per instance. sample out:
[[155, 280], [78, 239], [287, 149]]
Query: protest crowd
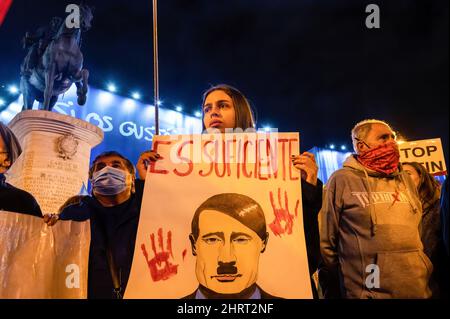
[[377, 229]]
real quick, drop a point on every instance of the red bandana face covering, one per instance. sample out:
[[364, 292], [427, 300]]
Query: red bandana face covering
[[382, 159]]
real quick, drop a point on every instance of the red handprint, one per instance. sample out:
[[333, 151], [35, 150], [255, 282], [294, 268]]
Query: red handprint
[[282, 215], [157, 271]]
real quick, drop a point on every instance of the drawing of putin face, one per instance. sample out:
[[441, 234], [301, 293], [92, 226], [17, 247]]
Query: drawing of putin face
[[228, 236]]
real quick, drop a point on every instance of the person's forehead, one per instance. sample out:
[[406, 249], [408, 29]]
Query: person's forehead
[[409, 168], [380, 129], [217, 221], [216, 96], [110, 159]]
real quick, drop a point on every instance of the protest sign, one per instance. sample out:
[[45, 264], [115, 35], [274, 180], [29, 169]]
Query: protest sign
[[223, 212], [429, 153]]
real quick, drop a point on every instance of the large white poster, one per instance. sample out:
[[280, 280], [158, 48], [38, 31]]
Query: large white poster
[[221, 215]]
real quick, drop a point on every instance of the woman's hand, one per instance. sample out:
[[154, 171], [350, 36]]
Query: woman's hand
[[306, 163], [143, 162]]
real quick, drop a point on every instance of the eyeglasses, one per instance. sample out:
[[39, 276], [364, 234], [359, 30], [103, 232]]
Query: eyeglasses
[[360, 140]]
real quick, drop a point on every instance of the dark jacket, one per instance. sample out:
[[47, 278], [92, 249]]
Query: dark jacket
[[312, 203], [445, 216], [433, 246], [444, 275], [13, 199], [264, 295], [114, 227]]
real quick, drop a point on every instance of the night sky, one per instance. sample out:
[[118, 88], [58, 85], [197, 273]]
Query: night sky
[[308, 66]]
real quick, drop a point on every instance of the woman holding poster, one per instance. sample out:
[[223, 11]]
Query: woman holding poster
[[226, 110]]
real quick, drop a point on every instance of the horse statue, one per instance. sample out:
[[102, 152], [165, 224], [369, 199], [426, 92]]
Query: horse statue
[[54, 62]]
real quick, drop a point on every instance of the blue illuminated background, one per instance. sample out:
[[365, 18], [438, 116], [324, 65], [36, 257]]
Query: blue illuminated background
[[128, 124]]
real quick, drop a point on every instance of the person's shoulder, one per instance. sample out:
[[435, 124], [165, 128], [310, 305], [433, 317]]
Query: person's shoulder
[[341, 177], [342, 173], [20, 193], [78, 212], [190, 296], [24, 200]]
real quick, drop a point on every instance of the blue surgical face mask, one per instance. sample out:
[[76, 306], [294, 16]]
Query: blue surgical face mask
[[109, 181]]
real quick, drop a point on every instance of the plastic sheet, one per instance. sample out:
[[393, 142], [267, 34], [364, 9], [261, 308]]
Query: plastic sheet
[[38, 261]]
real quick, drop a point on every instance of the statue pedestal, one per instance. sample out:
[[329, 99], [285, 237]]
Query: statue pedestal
[[56, 149]]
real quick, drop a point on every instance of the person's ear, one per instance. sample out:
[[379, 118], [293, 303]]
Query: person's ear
[[264, 243], [133, 184], [7, 163], [361, 146], [192, 240]]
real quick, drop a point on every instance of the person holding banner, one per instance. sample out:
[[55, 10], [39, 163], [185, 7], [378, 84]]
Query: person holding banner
[[226, 109], [429, 193], [11, 198], [113, 210], [370, 219]]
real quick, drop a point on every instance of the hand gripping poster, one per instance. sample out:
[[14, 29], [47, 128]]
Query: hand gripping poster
[[221, 217]]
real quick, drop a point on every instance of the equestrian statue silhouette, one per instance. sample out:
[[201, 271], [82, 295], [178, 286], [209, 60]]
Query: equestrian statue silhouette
[[54, 62]]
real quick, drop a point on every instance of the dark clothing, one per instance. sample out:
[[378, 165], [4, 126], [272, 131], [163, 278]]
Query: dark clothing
[[445, 216], [431, 228], [312, 203], [16, 200], [329, 282], [114, 227], [247, 292], [433, 246], [444, 275]]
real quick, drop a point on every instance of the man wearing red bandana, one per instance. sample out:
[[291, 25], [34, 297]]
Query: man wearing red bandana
[[370, 221]]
